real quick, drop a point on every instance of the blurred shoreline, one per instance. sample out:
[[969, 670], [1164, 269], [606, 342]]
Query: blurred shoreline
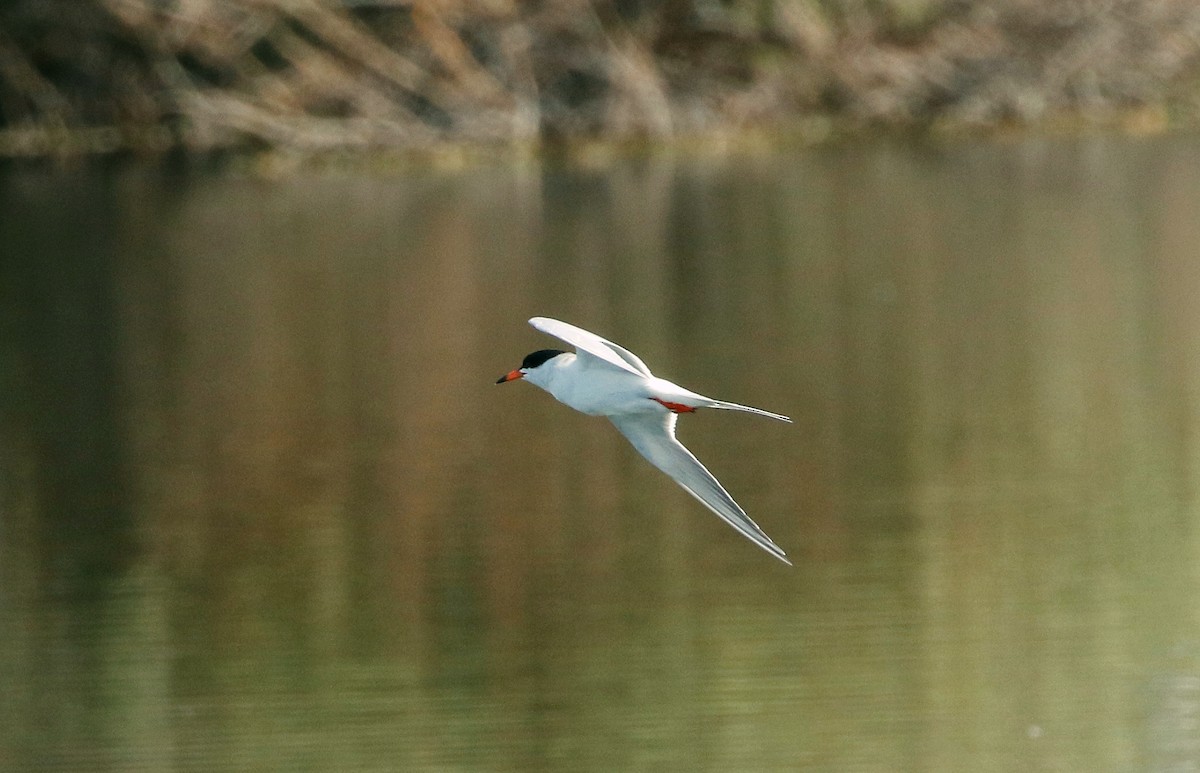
[[320, 77]]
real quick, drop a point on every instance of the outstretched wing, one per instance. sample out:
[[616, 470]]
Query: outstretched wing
[[590, 343], [653, 435]]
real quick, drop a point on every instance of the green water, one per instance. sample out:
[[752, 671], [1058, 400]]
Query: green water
[[263, 508]]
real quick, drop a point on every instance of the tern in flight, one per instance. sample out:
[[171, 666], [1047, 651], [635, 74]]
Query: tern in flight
[[603, 379]]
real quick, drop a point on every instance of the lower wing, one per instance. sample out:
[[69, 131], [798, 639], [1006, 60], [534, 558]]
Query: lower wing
[[653, 435]]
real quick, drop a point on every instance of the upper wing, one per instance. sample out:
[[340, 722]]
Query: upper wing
[[653, 435], [592, 344]]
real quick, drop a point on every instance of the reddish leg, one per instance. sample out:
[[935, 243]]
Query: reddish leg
[[674, 407]]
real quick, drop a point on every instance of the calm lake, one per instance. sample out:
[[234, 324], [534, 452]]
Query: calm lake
[[263, 507]]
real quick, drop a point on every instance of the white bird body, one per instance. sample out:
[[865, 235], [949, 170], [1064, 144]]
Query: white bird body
[[604, 379], [596, 388]]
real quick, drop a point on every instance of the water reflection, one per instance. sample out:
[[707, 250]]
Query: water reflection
[[263, 508]]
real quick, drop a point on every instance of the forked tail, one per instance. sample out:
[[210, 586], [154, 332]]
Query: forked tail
[[726, 406]]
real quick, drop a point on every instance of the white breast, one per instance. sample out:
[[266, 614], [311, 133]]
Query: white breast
[[597, 391]]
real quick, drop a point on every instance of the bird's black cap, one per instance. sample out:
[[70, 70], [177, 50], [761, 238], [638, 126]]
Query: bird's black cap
[[535, 359], [530, 362]]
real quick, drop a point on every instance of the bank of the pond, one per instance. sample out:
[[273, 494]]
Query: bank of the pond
[[87, 77]]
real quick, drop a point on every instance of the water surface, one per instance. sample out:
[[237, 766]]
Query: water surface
[[262, 506]]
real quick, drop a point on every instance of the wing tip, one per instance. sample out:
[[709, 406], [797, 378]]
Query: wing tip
[[770, 547]]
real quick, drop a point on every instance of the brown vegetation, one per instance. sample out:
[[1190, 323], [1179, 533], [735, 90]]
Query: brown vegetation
[[313, 75]]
